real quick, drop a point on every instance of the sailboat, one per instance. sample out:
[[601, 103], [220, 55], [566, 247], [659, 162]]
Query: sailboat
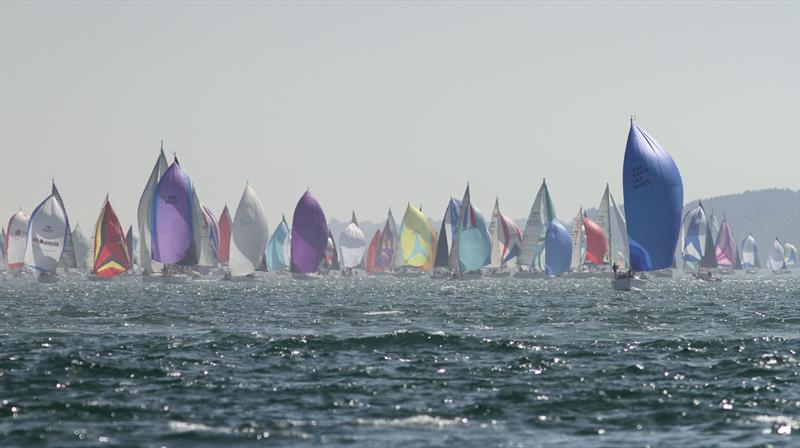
[[249, 236], [473, 244], [144, 216], [309, 237], [172, 240], [443, 265], [132, 241], [330, 261], [694, 238], [725, 248], [531, 257], [83, 253], [354, 244], [417, 243], [278, 247], [205, 234], [789, 256], [506, 242], [224, 227], [110, 251], [47, 232], [589, 245], [387, 247], [750, 254], [558, 249], [68, 260], [611, 221], [775, 258], [15, 240], [653, 192], [371, 259]]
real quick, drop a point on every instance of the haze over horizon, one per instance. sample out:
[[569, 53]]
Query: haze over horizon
[[375, 105]]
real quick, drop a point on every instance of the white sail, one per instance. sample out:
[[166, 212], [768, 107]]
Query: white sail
[[144, 215], [249, 234], [610, 219], [81, 244], [202, 234], [749, 252], [352, 244], [397, 256], [15, 240], [578, 242], [47, 231], [542, 212], [452, 261], [495, 258], [68, 257], [775, 257]]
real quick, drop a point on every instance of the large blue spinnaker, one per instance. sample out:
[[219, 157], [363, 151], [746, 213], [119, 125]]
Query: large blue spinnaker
[[653, 201]]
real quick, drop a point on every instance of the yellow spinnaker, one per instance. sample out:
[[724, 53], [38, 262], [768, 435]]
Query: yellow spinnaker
[[416, 238]]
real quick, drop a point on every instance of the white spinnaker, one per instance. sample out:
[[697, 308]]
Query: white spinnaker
[[249, 234], [201, 232], [352, 245], [47, 231], [15, 240], [82, 249], [144, 215], [397, 256], [749, 252], [775, 258]]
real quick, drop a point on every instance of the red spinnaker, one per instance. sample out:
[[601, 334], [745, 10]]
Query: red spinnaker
[[371, 261], [224, 249], [596, 243]]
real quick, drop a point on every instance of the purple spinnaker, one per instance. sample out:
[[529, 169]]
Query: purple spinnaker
[[172, 218], [309, 235]]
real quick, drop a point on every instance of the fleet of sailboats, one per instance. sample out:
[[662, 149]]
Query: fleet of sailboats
[[179, 238]]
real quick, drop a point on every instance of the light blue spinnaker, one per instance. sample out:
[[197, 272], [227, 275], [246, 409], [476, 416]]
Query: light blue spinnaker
[[277, 253], [653, 201], [557, 249], [474, 241]]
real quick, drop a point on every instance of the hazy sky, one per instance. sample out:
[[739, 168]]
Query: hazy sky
[[372, 105]]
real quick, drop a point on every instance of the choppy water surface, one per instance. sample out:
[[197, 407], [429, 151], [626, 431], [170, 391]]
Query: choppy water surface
[[400, 362]]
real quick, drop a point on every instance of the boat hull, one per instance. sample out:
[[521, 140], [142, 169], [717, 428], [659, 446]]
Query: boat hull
[[628, 283]]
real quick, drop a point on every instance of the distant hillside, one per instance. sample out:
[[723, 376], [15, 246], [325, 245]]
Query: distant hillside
[[765, 214]]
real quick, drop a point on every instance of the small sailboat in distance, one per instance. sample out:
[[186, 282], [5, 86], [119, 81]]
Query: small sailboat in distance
[[309, 236], [531, 256], [249, 236], [694, 237], [775, 257], [132, 241], [417, 242], [173, 243], [558, 249], [278, 248], [506, 242], [47, 231], [371, 261], [725, 247], [110, 251], [653, 191], [15, 240], [224, 227], [789, 256], [144, 216], [473, 247], [353, 244], [443, 263], [750, 254]]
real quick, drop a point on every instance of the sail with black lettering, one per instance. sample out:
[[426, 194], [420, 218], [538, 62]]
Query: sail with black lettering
[[47, 231], [173, 219], [653, 191]]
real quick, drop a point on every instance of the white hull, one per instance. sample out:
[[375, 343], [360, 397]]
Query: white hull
[[628, 283]]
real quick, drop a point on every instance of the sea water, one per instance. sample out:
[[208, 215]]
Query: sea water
[[390, 362]]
